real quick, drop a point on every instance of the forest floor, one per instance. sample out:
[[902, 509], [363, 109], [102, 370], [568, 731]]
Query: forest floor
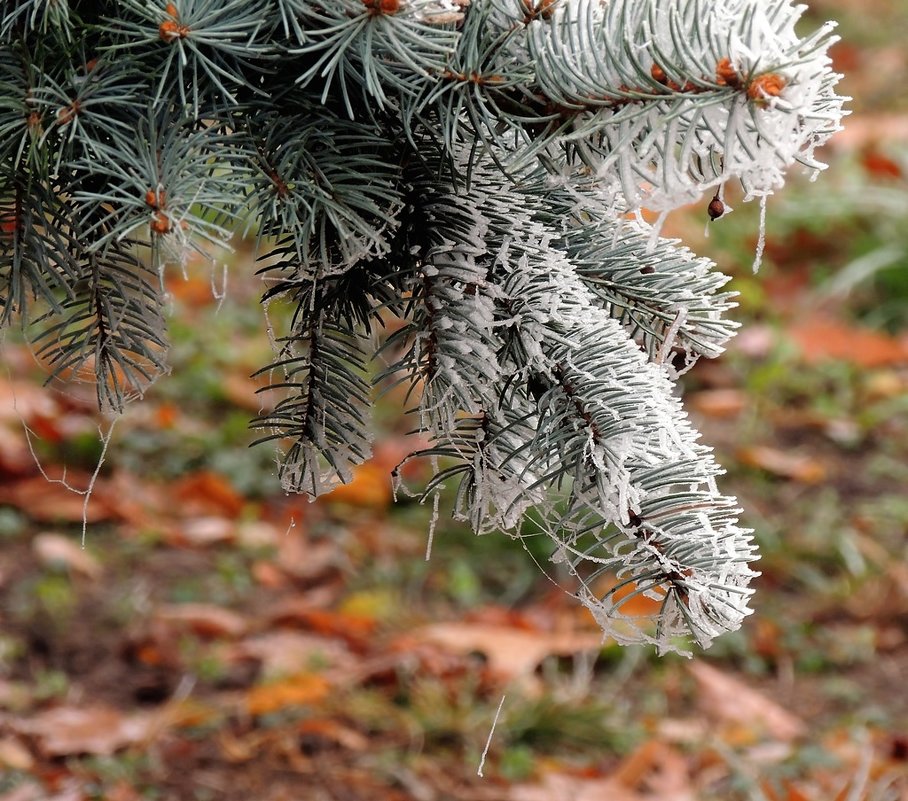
[[216, 639]]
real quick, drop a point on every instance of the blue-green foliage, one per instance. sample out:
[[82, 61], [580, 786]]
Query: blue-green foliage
[[467, 167]]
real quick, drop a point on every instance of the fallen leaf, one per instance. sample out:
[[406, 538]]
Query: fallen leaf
[[208, 494], [285, 652], [798, 467], [206, 620], [258, 534], [511, 653], [244, 392], [302, 689], [306, 559], [370, 488], [98, 730], [14, 755], [24, 401], [15, 459], [328, 729], [719, 403], [203, 531], [301, 612], [879, 165], [55, 549], [820, 338], [727, 699], [561, 787], [50, 502]]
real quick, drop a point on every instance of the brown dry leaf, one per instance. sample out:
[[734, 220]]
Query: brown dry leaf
[[328, 729], [719, 403], [99, 730], [300, 690], [302, 558], [564, 787], [203, 531], [302, 612], [512, 653], [14, 755], [55, 549], [285, 652], [257, 534], [243, 391], [50, 502], [208, 493], [370, 488], [821, 338], [796, 466], [729, 700], [24, 400], [659, 770], [206, 620], [15, 459]]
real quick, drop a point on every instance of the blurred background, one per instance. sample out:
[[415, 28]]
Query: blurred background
[[216, 639]]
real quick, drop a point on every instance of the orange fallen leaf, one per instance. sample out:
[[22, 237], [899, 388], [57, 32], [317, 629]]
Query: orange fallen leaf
[[50, 502], [206, 620], [208, 493], [820, 338], [99, 730], [300, 690], [799, 467], [628, 599], [727, 699], [370, 488], [14, 755], [166, 415], [880, 165], [244, 392], [719, 403], [511, 653], [656, 768], [55, 549]]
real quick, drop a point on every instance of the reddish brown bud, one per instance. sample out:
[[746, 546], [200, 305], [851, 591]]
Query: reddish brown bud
[[156, 199], [160, 223], [658, 74], [768, 85], [716, 208], [726, 75], [382, 6], [169, 30]]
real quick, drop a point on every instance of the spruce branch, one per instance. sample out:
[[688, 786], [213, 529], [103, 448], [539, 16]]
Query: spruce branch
[[465, 166]]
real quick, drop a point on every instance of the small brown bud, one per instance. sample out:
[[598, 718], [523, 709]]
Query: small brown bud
[[716, 208], [170, 29], [382, 6], [156, 199], [726, 75], [160, 223]]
